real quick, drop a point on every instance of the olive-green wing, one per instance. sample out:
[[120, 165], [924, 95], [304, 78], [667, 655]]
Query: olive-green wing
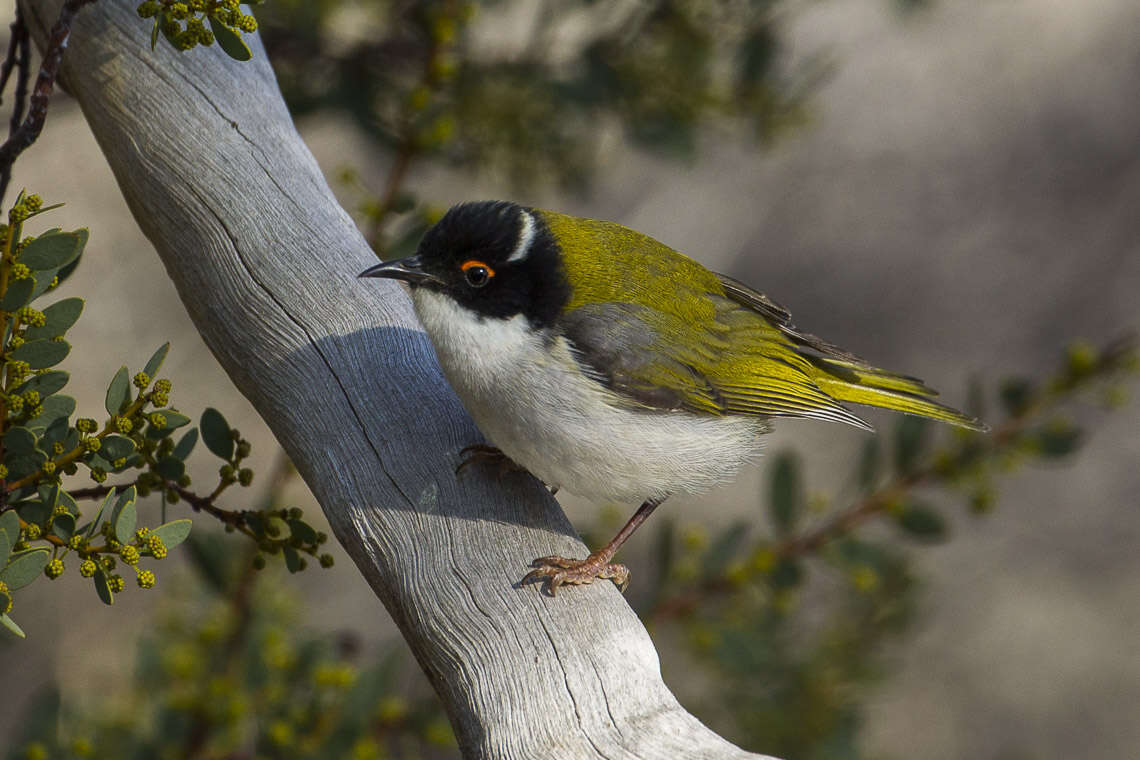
[[846, 377], [651, 359]]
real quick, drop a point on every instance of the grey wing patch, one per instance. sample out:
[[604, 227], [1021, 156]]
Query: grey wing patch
[[616, 347], [781, 318]]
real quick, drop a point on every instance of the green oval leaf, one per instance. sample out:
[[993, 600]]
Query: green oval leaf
[[10, 525], [174, 419], [787, 498], [118, 392], [51, 251], [185, 445], [870, 464], [292, 559], [10, 624], [41, 354], [170, 468], [173, 533], [54, 407], [911, 438], [116, 447], [19, 440], [102, 587], [125, 523], [923, 523], [102, 510], [18, 294], [230, 41], [302, 531], [43, 283], [216, 434], [24, 567], [36, 512], [155, 362], [63, 526], [58, 319], [5, 550], [45, 384]]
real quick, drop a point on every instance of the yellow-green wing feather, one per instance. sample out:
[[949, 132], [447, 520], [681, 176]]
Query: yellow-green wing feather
[[668, 333]]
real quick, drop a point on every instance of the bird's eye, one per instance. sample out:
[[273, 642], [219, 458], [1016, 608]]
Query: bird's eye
[[477, 273]]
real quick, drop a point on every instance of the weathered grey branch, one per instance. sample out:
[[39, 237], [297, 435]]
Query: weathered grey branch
[[266, 261]]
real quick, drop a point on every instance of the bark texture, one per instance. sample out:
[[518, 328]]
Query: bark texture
[[265, 261]]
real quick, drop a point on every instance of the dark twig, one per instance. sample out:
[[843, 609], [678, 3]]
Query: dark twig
[[23, 73], [31, 127]]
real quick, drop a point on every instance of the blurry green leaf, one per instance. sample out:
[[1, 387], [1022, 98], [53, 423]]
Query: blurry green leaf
[[292, 559], [24, 567], [230, 41], [185, 445], [51, 251], [216, 434], [154, 31], [45, 384], [10, 624], [19, 440], [116, 447], [58, 319], [102, 511], [118, 392], [63, 526], [173, 533], [870, 463], [1058, 438], [275, 527], [54, 407], [911, 439], [786, 492], [5, 548], [155, 362], [1016, 395], [170, 468], [210, 558], [18, 294], [302, 531], [102, 587], [664, 550], [41, 354], [10, 525], [724, 548], [923, 523], [786, 574]]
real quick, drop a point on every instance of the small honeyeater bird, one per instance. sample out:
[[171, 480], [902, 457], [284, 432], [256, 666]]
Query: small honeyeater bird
[[608, 364]]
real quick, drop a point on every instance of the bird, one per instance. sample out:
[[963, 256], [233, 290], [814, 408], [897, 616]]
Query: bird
[[606, 363]]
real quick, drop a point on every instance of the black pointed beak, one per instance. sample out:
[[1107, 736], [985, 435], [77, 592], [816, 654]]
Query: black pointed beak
[[410, 270]]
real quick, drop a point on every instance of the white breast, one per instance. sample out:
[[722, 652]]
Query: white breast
[[532, 402]]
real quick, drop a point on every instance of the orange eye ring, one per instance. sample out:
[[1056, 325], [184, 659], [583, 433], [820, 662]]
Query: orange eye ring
[[477, 272], [477, 263]]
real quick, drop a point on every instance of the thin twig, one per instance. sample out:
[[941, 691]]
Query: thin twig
[[31, 127]]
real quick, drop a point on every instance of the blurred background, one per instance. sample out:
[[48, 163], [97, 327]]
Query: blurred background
[[948, 188]]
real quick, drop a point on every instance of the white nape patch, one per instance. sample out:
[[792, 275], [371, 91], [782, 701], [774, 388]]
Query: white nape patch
[[526, 237], [531, 399]]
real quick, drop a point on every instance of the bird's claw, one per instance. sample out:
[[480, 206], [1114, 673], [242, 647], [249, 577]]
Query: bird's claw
[[559, 571]]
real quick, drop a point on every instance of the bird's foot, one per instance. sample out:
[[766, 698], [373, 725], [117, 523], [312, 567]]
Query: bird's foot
[[487, 455], [558, 571]]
